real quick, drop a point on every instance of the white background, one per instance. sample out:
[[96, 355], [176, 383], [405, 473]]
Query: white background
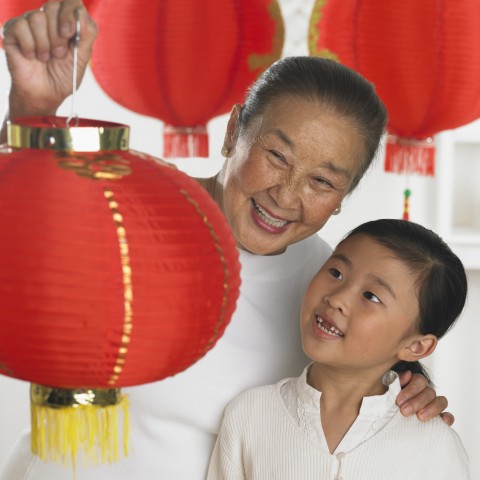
[[456, 361]]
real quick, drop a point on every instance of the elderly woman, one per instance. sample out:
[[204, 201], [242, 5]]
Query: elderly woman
[[306, 134]]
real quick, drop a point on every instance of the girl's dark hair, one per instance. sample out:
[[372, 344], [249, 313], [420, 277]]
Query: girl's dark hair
[[440, 277], [339, 88]]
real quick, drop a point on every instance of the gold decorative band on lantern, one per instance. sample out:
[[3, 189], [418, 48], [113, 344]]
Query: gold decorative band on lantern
[[66, 397], [51, 133]]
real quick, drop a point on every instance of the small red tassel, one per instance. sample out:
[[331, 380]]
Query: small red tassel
[[182, 142], [404, 155]]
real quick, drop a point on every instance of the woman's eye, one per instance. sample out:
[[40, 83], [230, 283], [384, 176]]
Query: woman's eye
[[278, 155], [335, 273], [324, 181], [371, 296]]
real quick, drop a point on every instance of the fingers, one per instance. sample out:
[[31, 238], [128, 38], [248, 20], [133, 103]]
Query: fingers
[[58, 44], [405, 377], [69, 12], [434, 408], [424, 403], [33, 34], [411, 387], [37, 25], [417, 395], [67, 17], [88, 31], [46, 32], [448, 418], [17, 32]]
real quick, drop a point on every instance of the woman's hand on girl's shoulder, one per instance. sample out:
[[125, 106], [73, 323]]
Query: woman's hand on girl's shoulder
[[418, 397]]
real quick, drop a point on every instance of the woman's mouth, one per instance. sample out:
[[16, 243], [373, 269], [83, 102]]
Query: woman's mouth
[[267, 219], [327, 327]]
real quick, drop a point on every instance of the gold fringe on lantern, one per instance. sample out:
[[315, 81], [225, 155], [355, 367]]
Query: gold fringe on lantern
[[67, 423]]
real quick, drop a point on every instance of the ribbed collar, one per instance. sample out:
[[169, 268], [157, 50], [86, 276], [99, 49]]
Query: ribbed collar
[[375, 412], [373, 405]]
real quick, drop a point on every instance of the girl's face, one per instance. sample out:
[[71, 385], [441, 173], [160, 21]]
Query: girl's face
[[287, 174], [360, 310]]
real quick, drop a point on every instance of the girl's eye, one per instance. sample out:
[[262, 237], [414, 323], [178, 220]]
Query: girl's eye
[[372, 297], [335, 273]]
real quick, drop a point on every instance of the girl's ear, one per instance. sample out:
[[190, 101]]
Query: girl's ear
[[419, 347], [232, 129]]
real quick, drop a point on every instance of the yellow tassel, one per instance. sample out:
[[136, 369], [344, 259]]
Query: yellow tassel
[[91, 432]]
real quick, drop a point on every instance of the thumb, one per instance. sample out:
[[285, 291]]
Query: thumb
[[405, 377], [88, 27]]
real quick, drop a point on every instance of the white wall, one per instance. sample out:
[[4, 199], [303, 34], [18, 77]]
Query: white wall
[[457, 359]]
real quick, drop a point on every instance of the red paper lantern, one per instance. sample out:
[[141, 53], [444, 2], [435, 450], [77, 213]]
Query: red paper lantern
[[422, 56], [184, 61], [116, 270]]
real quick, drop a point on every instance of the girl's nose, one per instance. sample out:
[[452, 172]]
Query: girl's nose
[[337, 300]]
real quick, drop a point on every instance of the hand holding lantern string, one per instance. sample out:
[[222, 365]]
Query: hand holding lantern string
[[40, 56], [46, 50]]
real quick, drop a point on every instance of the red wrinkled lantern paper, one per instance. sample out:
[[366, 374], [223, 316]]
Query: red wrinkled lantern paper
[[116, 270], [184, 61], [422, 56]]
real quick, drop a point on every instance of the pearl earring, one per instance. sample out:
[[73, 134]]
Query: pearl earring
[[225, 151]]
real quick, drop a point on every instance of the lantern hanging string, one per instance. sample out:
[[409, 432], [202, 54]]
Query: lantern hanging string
[[76, 41]]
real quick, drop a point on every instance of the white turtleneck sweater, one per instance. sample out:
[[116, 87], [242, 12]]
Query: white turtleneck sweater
[[275, 432]]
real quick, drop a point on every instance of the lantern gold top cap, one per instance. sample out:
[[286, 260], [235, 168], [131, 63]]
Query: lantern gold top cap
[[52, 133]]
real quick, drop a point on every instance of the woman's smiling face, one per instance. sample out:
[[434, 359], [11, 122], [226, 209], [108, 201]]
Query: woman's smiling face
[[287, 173]]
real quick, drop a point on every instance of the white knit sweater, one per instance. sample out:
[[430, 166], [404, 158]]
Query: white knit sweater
[[260, 439]]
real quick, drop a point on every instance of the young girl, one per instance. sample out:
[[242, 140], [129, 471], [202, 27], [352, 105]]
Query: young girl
[[388, 292]]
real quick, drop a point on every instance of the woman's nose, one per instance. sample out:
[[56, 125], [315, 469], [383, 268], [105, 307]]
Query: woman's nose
[[286, 193]]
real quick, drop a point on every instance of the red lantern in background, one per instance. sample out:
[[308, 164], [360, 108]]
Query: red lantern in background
[[423, 57], [184, 61], [116, 271]]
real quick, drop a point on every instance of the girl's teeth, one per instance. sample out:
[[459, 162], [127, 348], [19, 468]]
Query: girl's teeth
[[331, 331], [274, 222]]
